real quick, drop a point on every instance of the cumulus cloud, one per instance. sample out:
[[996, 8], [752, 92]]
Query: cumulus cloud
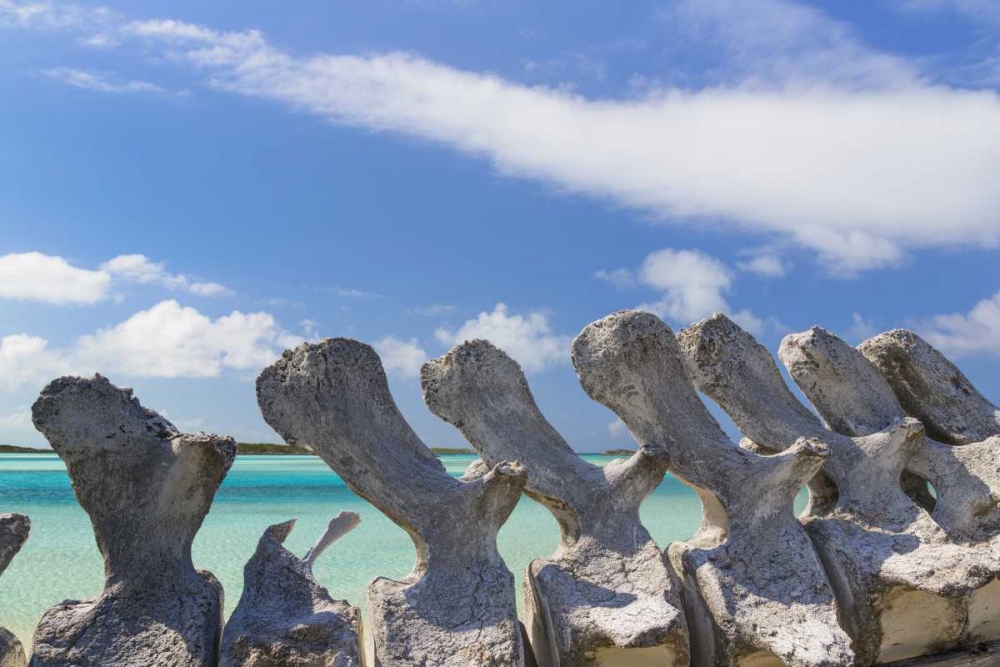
[[963, 334], [140, 269], [165, 341], [32, 276], [693, 286], [402, 357], [528, 339], [691, 281]]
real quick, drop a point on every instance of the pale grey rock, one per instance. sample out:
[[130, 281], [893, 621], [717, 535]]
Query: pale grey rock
[[855, 399], [285, 618], [754, 588], [14, 529], [932, 389], [903, 587], [147, 489], [607, 590], [457, 606]]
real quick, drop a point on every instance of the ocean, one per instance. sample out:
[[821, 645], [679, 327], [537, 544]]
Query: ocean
[[60, 560]]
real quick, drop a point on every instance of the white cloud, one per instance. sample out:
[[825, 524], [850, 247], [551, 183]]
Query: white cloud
[[166, 341], [352, 293], [692, 283], [400, 356], [433, 310], [18, 419], [32, 276], [860, 328], [777, 42], [816, 139], [620, 278], [617, 429], [977, 332], [527, 338], [853, 167], [140, 269], [104, 83], [766, 264]]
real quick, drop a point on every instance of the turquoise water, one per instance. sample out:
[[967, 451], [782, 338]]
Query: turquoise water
[[60, 560]]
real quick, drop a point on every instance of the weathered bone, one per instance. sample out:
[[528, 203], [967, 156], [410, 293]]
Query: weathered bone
[[755, 589], [606, 596], [14, 529], [147, 489], [457, 607], [932, 389], [285, 618], [855, 400], [903, 589]]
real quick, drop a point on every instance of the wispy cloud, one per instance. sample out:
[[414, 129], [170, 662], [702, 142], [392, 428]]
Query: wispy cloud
[[814, 138], [352, 293], [434, 310], [105, 83], [140, 269]]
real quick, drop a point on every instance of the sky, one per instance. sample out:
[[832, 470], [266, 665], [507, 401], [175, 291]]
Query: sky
[[188, 188]]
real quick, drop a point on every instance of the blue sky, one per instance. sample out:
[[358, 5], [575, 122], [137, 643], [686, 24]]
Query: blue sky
[[186, 188]]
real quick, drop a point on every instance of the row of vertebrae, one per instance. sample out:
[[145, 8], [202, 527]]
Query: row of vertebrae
[[866, 576]]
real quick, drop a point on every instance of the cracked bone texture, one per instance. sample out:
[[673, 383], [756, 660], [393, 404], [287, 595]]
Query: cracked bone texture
[[608, 586], [932, 389], [285, 618], [147, 489], [457, 606], [855, 400], [889, 562], [754, 587], [14, 529]]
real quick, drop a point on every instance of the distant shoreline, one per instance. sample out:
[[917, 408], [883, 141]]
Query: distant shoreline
[[272, 449]]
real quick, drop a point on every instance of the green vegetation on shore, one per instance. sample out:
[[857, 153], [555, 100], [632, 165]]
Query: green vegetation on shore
[[270, 448], [286, 450], [14, 449], [618, 452]]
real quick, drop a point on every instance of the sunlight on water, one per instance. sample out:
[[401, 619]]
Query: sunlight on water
[[60, 560]]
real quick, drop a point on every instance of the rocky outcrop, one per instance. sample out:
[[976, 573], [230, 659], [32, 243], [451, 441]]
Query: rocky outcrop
[[147, 489], [903, 587], [606, 597], [457, 606], [755, 591], [14, 529], [285, 618]]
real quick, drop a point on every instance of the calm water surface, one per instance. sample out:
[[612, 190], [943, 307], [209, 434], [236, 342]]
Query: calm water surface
[[60, 560]]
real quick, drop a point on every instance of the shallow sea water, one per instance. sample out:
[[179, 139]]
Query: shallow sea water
[[60, 560]]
